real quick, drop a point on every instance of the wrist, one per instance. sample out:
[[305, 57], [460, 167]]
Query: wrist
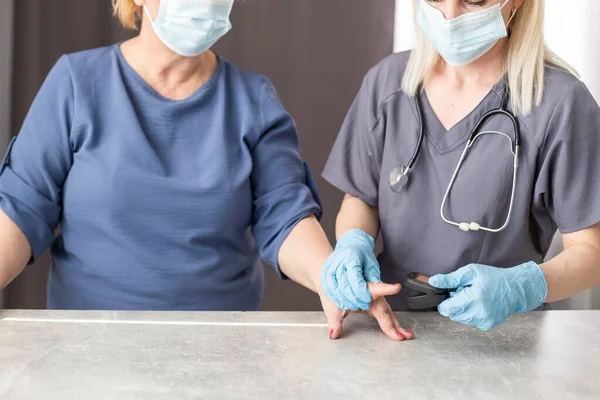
[[314, 274], [535, 288], [356, 237], [315, 281]]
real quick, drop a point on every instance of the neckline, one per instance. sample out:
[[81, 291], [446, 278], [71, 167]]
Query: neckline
[[128, 69], [447, 140]]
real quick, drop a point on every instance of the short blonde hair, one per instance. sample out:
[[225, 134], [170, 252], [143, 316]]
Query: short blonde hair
[[128, 12], [526, 57]]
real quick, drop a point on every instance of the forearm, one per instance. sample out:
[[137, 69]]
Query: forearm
[[574, 270], [356, 214], [304, 252], [15, 251]]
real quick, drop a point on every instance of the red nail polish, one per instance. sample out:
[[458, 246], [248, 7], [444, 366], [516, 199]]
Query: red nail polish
[[409, 332], [330, 333], [400, 335]]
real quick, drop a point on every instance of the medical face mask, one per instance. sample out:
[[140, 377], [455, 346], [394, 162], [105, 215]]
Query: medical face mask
[[191, 27], [464, 39]]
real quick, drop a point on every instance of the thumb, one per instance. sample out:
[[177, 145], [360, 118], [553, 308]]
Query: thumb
[[454, 280], [335, 318], [334, 324], [379, 290]]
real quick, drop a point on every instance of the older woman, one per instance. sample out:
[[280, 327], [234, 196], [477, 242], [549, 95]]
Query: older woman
[[169, 171], [468, 153], [156, 158]]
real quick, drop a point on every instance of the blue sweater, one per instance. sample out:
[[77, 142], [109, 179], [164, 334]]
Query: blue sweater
[[162, 205]]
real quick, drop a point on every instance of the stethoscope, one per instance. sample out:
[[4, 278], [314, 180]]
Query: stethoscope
[[399, 176]]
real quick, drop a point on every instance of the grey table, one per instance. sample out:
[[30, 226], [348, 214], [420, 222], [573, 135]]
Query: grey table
[[116, 355]]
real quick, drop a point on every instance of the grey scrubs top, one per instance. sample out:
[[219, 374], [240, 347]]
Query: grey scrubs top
[[558, 183]]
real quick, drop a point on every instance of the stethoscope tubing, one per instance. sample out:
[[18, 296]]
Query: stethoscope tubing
[[473, 136]]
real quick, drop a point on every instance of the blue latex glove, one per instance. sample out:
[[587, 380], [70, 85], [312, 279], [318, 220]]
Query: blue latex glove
[[487, 296], [348, 269]]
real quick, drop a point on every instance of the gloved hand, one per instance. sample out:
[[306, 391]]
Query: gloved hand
[[487, 296], [348, 269]]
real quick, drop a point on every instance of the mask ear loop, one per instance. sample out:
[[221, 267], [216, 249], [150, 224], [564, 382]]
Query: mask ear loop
[[513, 12], [147, 13]]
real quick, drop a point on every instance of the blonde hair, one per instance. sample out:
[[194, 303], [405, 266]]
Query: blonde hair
[[526, 57], [128, 12]]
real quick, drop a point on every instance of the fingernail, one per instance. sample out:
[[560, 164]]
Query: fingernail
[[330, 333], [409, 332], [400, 335]]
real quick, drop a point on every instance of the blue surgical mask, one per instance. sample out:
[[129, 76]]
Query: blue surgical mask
[[191, 27], [464, 39]]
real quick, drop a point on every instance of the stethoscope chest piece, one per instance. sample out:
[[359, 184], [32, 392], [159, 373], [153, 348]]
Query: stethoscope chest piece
[[399, 178]]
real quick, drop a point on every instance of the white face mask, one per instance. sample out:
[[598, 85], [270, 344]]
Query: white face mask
[[464, 39], [191, 27]]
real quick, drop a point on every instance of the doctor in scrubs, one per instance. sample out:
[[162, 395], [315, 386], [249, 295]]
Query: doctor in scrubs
[[469, 198]]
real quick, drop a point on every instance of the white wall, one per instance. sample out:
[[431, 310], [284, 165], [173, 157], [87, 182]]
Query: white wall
[[572, 30], [6, 36], [404, 30]]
